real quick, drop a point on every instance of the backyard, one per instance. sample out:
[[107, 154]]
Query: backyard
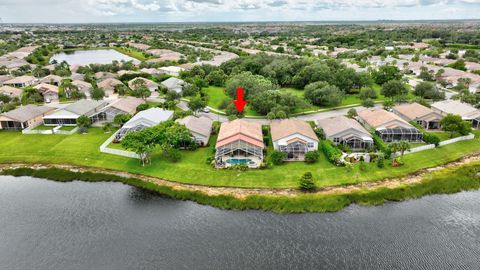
[[83, 149]]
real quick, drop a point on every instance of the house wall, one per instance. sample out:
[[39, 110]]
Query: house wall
[[276, 144], [200, 138]]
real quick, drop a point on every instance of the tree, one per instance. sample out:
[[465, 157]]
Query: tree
[[428, 90], [394, 89], [121, 119], [352, 113], [141, 142], [142, 107], [277, 157], [190, 90], [400, 146], [386, 73], [368, 103], [426, 75], [455, 124], [459, 64], [367, 93], [306, 182], [121, 89], [141, 92], [196, 104], [83, 123], [216, 78], [252, 84], [323, 94], [97, 93]]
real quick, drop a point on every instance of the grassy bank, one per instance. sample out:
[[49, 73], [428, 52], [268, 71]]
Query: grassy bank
[[443, 182], [83, 150]]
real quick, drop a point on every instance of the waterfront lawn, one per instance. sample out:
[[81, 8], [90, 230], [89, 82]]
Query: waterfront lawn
[[83, 149], [133, 53]]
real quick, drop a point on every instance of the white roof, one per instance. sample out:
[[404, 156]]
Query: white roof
[[465, 110], [150, 117]]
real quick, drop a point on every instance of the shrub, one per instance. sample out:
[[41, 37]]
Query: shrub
[[312, 157], [368, 103], [382, 146], [172, 154], [352, 113], [142, 107], [332, 153], [380, 162], [431, 139], [306, 182], [277, 157]]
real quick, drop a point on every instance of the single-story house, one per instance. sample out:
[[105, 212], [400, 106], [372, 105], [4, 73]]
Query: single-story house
[[4, 78], [389, 126], [104, 75], [294, 137], [11, 91], [84, 87], [346, 131], [127, 105], [28, 116], [200, 128], [239, 142], [21, 82], [48, 91], [466, 111], [420, 114], [77, 76], [108, 85], [52, 79], [68, 115], [174, 84], [171, 70], [144, 119], [151, 85]]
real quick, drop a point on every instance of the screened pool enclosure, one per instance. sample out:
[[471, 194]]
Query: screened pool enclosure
[[400, 134]]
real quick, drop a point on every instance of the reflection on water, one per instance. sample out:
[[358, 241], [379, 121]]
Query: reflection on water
[[50, 225], [92, 57]]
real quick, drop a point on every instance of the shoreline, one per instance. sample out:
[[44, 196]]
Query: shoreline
[[289, 200]]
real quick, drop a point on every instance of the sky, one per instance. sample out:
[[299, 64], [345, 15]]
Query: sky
[[98, 11]]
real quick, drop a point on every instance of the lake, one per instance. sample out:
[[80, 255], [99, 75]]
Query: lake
[[88, 57], [51, 225]]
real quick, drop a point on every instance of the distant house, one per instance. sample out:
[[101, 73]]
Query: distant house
[[23, 117], [77, 76], [389, 126], [48, 91], [52, 79], [200, 127], [68, 116], [144, 119], [174, 84], [420, 114], [11, 91], [21, 82], [84, 87], [294, 137], [127, 105], [239, 143], [345, 131], [108, 85], [4, 78], [466, 111], [151, 85], [172, 70], [104, 75]]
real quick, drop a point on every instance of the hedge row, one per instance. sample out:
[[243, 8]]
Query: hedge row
[[332, 153]]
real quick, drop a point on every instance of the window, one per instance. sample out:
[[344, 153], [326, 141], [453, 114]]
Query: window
[[336, 140], [420, 122], [310, 145]]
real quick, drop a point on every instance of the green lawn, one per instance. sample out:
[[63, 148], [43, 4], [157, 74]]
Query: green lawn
[[133, 53], [217, 95], [67, 128], [83, 149], [43, 127]]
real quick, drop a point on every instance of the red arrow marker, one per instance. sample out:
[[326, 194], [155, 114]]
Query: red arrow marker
[[240, 103]]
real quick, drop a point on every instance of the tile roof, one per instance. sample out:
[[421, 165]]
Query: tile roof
[[127, 104], [11, 91], [335, 125], [201, 125], [240, 130], [27, 112], [413, 110], [379, 118], [284, 128], [465, 110]]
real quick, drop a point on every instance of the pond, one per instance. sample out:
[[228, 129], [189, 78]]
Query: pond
[[88, 57], [51, 225]]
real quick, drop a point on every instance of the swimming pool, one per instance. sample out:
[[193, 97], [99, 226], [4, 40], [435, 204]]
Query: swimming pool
[[239, 161]]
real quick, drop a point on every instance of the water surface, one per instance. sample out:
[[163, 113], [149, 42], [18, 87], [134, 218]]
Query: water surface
[[88, 57], [51, 225]]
